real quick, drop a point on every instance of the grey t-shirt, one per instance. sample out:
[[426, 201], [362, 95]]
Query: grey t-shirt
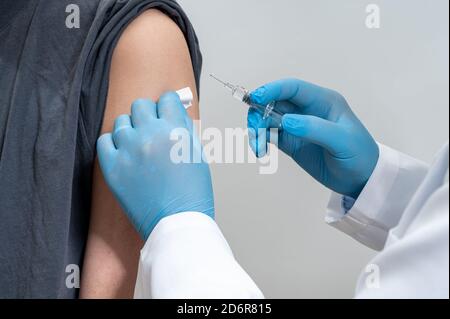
[[53, 88]]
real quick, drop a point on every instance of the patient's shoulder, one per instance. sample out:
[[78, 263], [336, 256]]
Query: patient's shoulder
[[153, 22], [151, 57], [152, 35]]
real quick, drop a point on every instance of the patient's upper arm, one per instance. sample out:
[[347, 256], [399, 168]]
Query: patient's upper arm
[[152, 57]]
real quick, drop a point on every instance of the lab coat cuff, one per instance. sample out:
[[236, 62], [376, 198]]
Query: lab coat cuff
[[187, 257], [172, 236], [368, 221], [176, 224]]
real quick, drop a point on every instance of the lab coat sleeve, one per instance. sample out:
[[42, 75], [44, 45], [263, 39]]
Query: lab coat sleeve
[[415, 261], [382, 202], [187, 257]]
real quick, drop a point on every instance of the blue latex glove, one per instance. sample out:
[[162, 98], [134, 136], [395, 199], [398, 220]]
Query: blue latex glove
[[137, 165], [321, 133]]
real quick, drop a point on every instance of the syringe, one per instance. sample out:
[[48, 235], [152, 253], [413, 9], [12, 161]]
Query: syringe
[[269, 113]]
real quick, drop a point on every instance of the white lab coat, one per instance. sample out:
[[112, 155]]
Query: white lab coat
[[403, 212]]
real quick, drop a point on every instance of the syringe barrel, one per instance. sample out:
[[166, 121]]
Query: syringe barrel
[[241, 94], [275, 119]]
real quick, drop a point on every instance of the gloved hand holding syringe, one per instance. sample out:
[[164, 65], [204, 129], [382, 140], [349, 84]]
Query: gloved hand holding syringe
[[270, 114]]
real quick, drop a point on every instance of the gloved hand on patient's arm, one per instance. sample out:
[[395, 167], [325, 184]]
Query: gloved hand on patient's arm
[[320, 132], [138, 165]]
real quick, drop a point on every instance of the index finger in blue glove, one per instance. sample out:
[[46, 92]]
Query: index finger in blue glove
[[298, 92], [257, 133], [171, 109], [315, 130]]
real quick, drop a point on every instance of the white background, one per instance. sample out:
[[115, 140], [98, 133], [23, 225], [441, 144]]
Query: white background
[[396, 80]]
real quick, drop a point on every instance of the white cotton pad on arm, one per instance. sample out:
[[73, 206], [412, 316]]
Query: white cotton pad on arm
[[186, 97]]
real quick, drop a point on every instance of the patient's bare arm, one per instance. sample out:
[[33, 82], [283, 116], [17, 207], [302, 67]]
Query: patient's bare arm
[[151, 58]]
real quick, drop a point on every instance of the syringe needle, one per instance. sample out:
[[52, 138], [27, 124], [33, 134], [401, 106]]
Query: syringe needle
[[226, 84], [217, 79], [242, 94]]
